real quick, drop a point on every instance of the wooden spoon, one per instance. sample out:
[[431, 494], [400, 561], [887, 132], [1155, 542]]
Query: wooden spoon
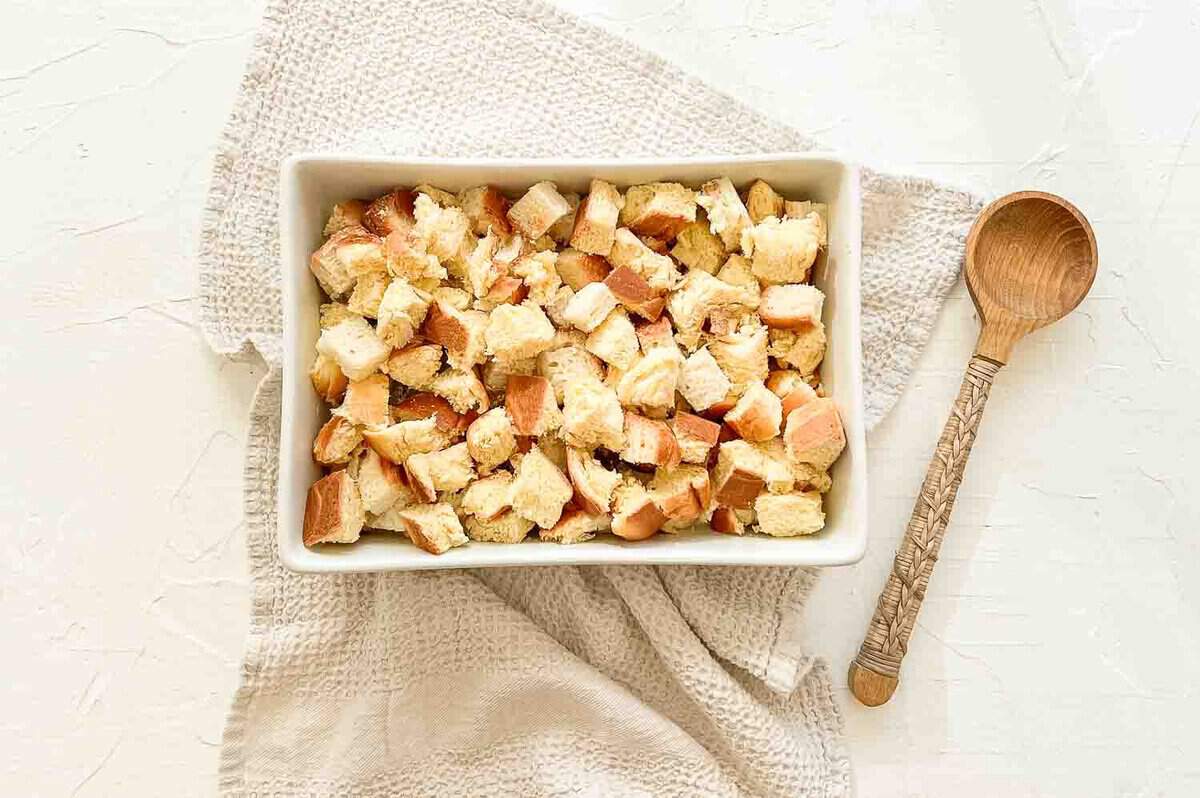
[[1031, 258]]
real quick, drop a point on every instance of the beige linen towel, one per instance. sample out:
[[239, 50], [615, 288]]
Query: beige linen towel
[[602, 681]]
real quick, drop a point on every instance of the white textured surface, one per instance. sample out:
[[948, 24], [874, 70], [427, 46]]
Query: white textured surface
[[1057, 649]]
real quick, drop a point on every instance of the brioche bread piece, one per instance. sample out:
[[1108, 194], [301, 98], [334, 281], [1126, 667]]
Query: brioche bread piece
[[391, 213], [354, 345], [491, 439], [336, 441], [403, 439], [660, 210], [699, 294], [762, 201], [462, 389], [346, 214], [381, 483], [401, 312], [592, 416], [742, 356], [740, 474], [726, 521], [538, 272], [682, 493], [415, 366], [738, 271], [531, 406], [614, 341], [541, 207], [508, 527], [447, 471], [814, 433], [540, 489], [366, 401], [517, 332], [757, 415], [634, 293], [347, 254], [482, 268], [486, 208], [567, 364], [635, 515], [327, 379], [589, 307], [655, 334], [418, 406], [576, 526], [657, 270], [702, 383], [596, 219], [649, 385], [495, 373], [460, 332], [507, 290], [802, 349], [489, 497], [433, 527], [698, 248], [334, 313], [809, 477], [445, 232], [444, 199], [560, 231], [577, 269], [649, 442], [727, 216], [790, 386], [696, 436], [407, 257], [792, 306], [783, 251], [593, 483], [558, 305], [333, 512], [450, 295], [368, 293], [789, 514]]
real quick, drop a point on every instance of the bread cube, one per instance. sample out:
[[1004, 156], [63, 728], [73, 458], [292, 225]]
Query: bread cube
[[632, 291], [596, 219], [380, 482], [539, 274], [657, 270], [327, 379], [592, 416], [333, 512], [517, 332], [564, 365], [727, 216], [486, 208], [407, 257], [391, 213], [433, 527], [696, 436], [790, 307], [336, 441], [576, 526], [762, 201], [790, 386], [447, 471], [577, 269], [803, 349], [700, 294], [655, 335], [401, 312], [635, 515], [482, 270], [593, 483], [801, 210], [649, 385], [346, 214], [489, 497], [699, 248], [740, 474], [403, 439], [558, 305], [491, 439], [419, 406], [495, 373], [614, 341], [445, 231], [649, 442], [541, 207], [443, 199], [415, 366], [560, 231], [814, 434], [742, 356], [355, 347], [589, 307], [348, 253], [757, 415], [366, 401], [738, 271], [462, 389], [531, 406], [726, 521], [782, 251], [460, 332], [702, 383], [540, 489], [682, 493], [660, 210], [507, 290], [368, 294], [790, 514], [508, 527], [334, 313]]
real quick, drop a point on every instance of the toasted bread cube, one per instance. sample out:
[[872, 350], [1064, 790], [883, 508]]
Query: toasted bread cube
[[790, 514], [366, 402], [614, 341], [560, 231], [496, 373], [540, 489], [738, 271], [778, 470], [333, 512], [564, 365], [355, 347], [808, 477], [789, 385], [391, 213], [461, 332], [801, 210], [491, 439], [488, 497], [531, 406], [783, 251], [403, 439], [655, 335], [577, 269], [407, 257], [347, 253], [632, 291], [327, 379], [554, 446], [702, 383], [742, 356], [635, 515], [447, 471], [445, 232], [517, 332], [727, 216], [814, 433], [726, 521], [757, 415], [802, 349], [696, 436], [456, 298], [482, 269], [442, 197], [433, 527], [682, 493], [462, 389], [368, 294], [596, 219], [507, 290], [699, 248], [539, 274], [418, 406], [576, 526], [401, 312], [592, 416], [660, 210], [792, 306], [589, 307], [739, 475], [558, 305], [700, 294], [649, 385], [380, 482], [762, 201], [657, 270], [336, 441], [334, 313], [593, 483], [415, 366], [508, 527], [486, 208], [346, 214], [649, 442], [541, 207]]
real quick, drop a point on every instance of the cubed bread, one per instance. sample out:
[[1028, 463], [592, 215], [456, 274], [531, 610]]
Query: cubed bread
[[447, 471], [443, 198], [403, 439], [809, 477], [415, 366], [698, 248], [538, 272], [655, 334], [460, 332], [488, 497], [660, 210], [593, 483], [327, 379], [782, 250], [789, 514], [698, 295], [355, 347], [801, 210], [391, 213], [517, 332], [589, 307], [633, 292], [738, 271], [452, 296], [491, 439], [366, 401], [533, 214], [540, 489], [418, 406], [368, 293], [381, 483], [742, 356], [727, 216], [576, 526], [696, 436], [336, 441], [790, 307], [507, 290], [614, 341], [483, 270], [334, 313], [762, 201], [740, 474], [592, 416], [649, 385], [560, 231], [333, 512], [531, 406], [433, 527], [401, 313], [486, 209], [702, 383], [577, 269], [462, 389], [778, 469], [657, 270], [348, 253], [557, 306], [635, 515], [802, 349], [757, 415], [407, 257], [649, 442], [495, 373], [508, 527], [346, 214], [790, 386], [445, 231], [814, 433], [682, 493], [726, 521], [567, 364], [596, 219]]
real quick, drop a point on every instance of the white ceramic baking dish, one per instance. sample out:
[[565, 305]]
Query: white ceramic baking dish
[[309, 186]]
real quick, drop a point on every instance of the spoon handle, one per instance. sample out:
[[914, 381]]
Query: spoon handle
[[875, 672]]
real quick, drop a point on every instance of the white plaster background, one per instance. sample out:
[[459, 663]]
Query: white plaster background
[[1059, 649]]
